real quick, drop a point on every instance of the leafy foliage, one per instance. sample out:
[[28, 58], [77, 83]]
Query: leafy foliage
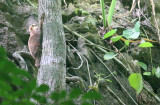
[[110, 33], [135, 80], [132, 33], [146, 44], [18, 87]]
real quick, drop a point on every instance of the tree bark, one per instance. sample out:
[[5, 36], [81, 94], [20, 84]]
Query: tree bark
[[52, 69]]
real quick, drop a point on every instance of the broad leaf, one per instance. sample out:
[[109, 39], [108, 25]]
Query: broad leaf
[[146, 44], [116, 38], [135, 80], [110, 33], [109, 55], [132, 33], [143, 65]]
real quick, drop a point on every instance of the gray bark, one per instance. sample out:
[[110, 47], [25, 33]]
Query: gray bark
[[52, 69]]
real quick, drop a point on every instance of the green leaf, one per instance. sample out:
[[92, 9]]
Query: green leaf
[[135, 80], [153, 71], [91, 95], [137, 26], [110, 33], [157, 73], [67, 102], [109, 55], [146, 44], [116, 38], [55, 96], [147, 73], [143, 65], [5, 86], [103, 13], [111, 12], [42, 88], [126, 42], [108, 80], [75, 93], [40, 98], [132, 33], [62, 94], [3, 55]]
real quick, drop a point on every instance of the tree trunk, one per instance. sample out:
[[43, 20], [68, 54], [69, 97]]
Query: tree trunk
[[52, 69]]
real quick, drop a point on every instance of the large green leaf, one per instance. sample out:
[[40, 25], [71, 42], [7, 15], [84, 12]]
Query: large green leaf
[[135, 80], [132, 33], [109, 55], [146, 44], [110, 33]]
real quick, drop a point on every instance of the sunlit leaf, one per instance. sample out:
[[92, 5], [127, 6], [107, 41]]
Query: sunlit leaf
[[132, 33], [135, 80], [110, 33], [143, 65], [146, 44], [109, 55], [126, 42], [116, 38], [147, 73], [157, 72]]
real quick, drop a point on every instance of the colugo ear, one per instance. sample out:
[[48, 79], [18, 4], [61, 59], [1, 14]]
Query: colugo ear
[[30, 29]]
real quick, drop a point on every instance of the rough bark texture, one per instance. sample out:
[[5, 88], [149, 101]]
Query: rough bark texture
[[52, 69]]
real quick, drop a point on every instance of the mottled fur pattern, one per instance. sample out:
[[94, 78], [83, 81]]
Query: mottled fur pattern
[[34, 43]]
